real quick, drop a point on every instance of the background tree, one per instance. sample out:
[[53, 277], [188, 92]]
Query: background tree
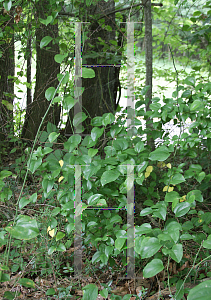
[[46, 72], [100, 48], [7, 71]]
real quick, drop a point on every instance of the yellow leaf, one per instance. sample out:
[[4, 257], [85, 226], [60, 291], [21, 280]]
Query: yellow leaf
[[61, 163], [200, 220], [183, 198], [60, 179], [165, 188], [147, 174], [50, 232], [169, 188], [149, 169], [168, 165]]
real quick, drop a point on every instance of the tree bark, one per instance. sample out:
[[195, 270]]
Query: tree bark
[[100, 92], [7, 68], [46, 76]]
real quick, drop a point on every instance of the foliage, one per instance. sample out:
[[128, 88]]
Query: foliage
[[163, 181], [171, 183]]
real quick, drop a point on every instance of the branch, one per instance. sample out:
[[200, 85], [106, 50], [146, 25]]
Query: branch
[[112, 12], [129, 7]]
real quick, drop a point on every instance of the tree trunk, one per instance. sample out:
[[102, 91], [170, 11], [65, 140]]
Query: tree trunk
[[100, 92], [28, 72], [148, 58], [7, 68], [46, 76]]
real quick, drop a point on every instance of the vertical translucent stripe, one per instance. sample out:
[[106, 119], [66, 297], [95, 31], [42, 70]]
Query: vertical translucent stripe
[[130, 223], [78, 80], [78, 227], [130, 78]]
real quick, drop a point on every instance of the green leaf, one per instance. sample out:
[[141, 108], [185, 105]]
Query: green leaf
[[63, 79], [8, 105], [88, 73], [49, 93], [108, 250], [159, 154], [11, 295], [25, 228], [104, 293], [201, 291], [92, 200], [120, 144], [121, 234], [47, 184], [7, 5], [23, 202], [200, 177], [70, 228], [68, 102], [34, 164], [155, 106], [144, 228], [103, 258], [177, 252], [140, 179], [97, 121], [53, 136], [196, 105], [181, 209], [55, 211], [45, 41], [164, 237], [96, 133], [61, 248], [190, 81], [146, 211], [139, 147], [4, 174], [27, 282], [96, 257], [173, 225], [171, 196], [108, 118], [60, 57], [90, 292], [140, 168], [60, 235], [119, 243], [160, 211], [149, 247], [109, 176], [79, 118], [46, 21], [144, 90], [186, 94], [72, 142], [50, 292], [177, 178], [153, 268], [207, 243], [51, 250], [57, 99], [92, 152], [186, 236], [33, 198]]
